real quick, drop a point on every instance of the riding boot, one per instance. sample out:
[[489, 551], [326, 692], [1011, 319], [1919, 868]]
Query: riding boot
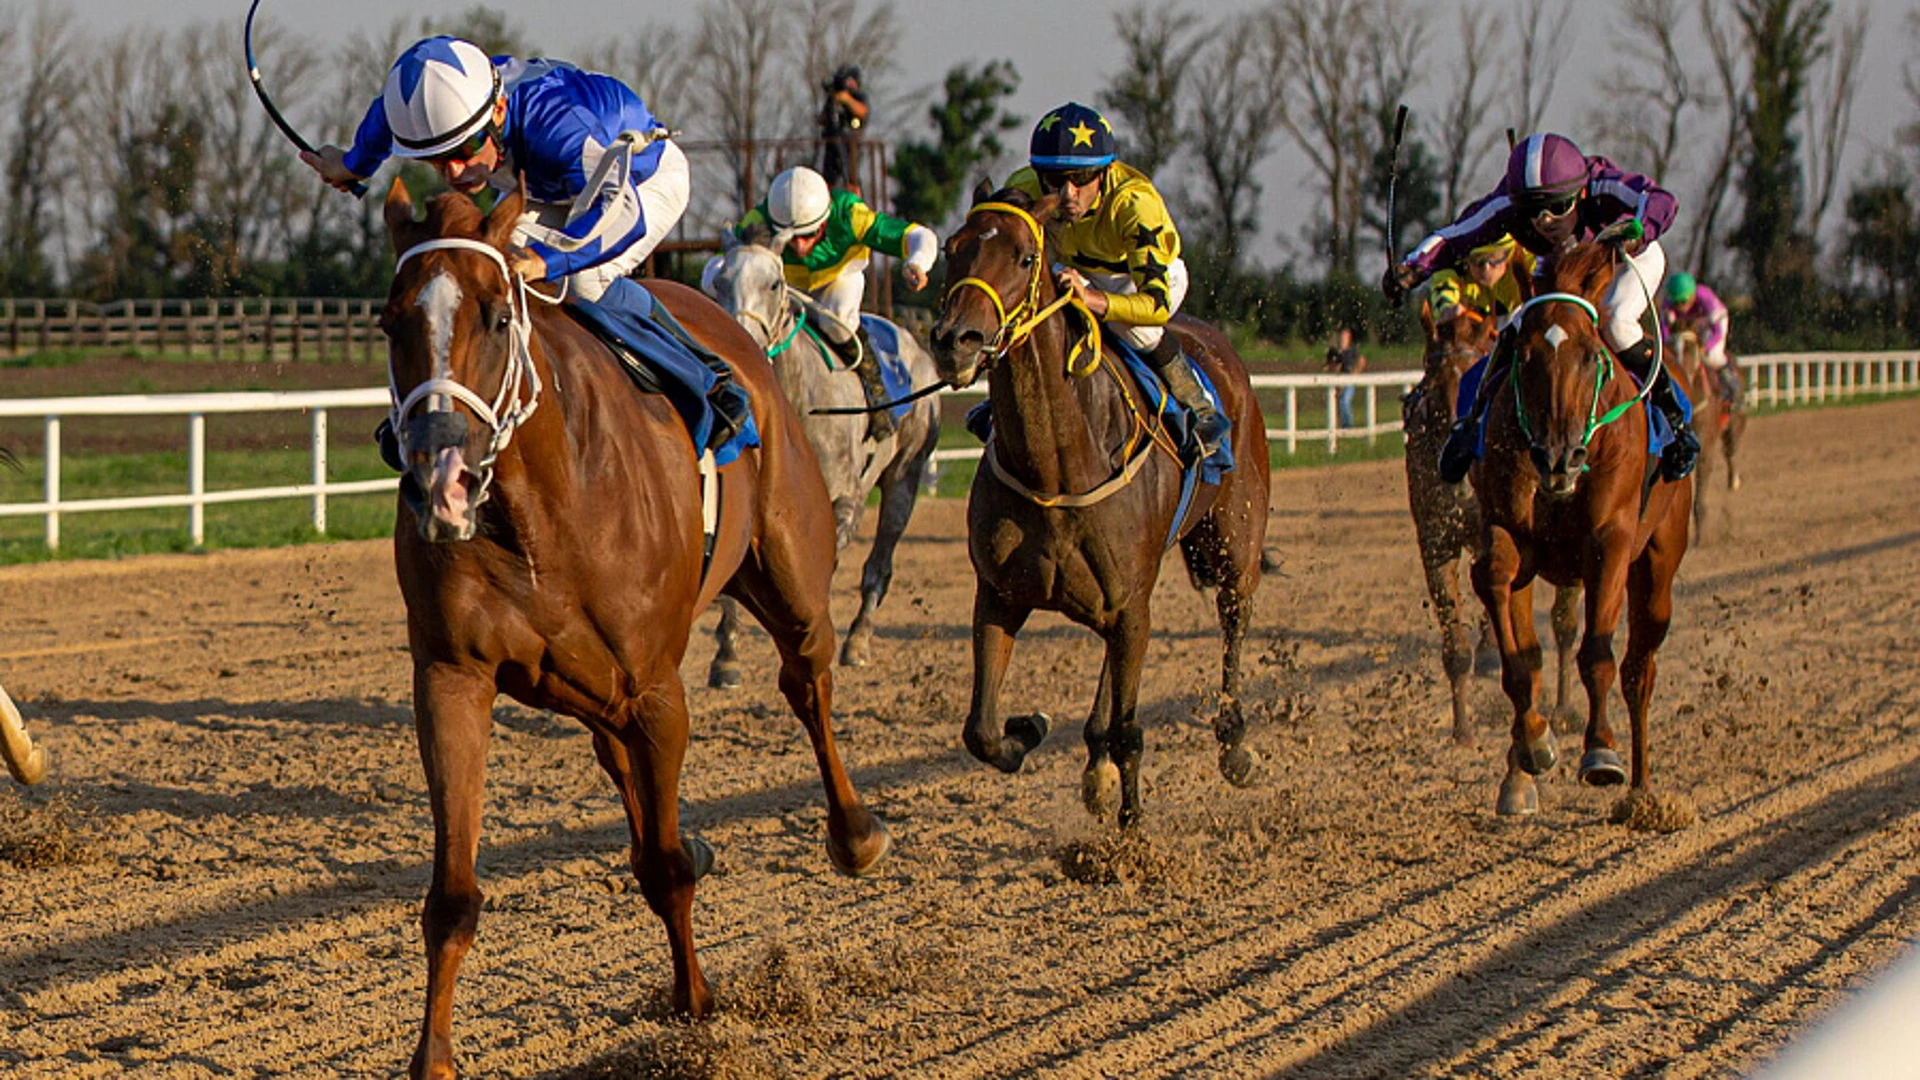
[[857, 353], [1732, 388], [1462, 447], [731, 406], [1679, 457], [1176, 370]]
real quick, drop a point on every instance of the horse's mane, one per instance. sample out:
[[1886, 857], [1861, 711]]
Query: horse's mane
[[1586, 270], [453, 214]]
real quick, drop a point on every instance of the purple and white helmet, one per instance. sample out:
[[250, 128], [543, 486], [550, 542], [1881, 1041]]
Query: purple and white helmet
[[440, 92], [1545, 167]]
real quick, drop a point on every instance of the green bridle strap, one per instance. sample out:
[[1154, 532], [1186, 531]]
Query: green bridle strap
[[1601, 374], [787, 342]]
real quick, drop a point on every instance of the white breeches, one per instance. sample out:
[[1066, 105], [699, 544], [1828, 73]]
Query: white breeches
[[1144, 338], [1626, 301], [841, 298], [663, 201]]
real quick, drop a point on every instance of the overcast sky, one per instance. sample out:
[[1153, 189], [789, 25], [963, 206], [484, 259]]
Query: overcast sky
[[1062, 49]]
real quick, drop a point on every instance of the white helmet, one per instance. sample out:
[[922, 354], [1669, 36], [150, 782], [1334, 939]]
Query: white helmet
[[440, 91], [799, 200]]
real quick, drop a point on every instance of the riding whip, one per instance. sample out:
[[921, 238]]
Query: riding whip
[[1393, 175], [273, 113], [915, 396]]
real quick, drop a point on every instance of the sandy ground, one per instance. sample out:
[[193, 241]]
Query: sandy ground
[[233, 747]]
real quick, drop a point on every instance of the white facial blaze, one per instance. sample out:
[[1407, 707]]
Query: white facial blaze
[[1556, 337], [440, 299]]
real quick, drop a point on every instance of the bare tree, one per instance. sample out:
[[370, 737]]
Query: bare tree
[[1542, 48], [834, 32], [1828, 122], [1159, 45], [1465, 133], [1237, 112], [1320, 57], [741, 68], [1647, 102], [34, 146], [1731, 76]]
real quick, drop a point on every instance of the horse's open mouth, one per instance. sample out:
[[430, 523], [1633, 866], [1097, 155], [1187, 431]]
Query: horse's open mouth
[[450, 487]]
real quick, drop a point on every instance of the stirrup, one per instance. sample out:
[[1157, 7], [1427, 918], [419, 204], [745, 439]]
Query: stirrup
[[1680, 456], [731, 407]]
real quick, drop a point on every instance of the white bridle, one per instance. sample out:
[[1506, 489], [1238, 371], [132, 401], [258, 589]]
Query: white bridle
[[508, 409]]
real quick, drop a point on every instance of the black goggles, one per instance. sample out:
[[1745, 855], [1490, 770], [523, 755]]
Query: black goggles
[[1550, 205], [467, 148], [1058, 179]]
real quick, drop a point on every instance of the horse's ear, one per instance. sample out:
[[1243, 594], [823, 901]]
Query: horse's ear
[[729, 239], [506, 215], [982, 191], [399, 215]]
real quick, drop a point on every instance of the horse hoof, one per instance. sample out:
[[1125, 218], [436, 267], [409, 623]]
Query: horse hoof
[[1536, 758], [724, 677], [1100, 789], [1239, 766], [699, 853], [1733, 484], [1029, 731], [1601, 767], [1518, 795], [857, 651], [861, 858]]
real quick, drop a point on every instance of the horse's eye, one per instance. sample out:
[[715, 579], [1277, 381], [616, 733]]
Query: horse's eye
[[502, 319], [774, 286], [1029, 260]]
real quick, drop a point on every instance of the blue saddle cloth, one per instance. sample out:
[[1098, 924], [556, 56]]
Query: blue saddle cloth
[[894, 375], [1173, 414], [1659, 432], [629, 317]]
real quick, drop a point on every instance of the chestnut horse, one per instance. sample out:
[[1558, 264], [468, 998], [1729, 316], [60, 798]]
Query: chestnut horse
[[1716, 420], [1446, 519], [550, 546], [1076, 497], [1569, 493]]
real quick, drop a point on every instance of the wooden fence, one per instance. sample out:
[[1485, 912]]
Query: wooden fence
[[284, 328]]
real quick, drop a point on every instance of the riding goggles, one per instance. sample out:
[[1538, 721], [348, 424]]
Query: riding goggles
[[466, 149], [1057, 179], [1553, 206]]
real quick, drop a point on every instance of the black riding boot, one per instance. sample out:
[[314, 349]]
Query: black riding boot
[[1209, 427], [729, 401], [1679, 457], [857, 353], [1461, 449]]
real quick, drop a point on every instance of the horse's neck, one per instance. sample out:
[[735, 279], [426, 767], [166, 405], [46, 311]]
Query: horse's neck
[[1053, 429]]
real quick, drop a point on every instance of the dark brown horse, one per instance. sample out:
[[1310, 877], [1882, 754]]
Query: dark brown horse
[[1718, 421], [1446, 517], [1569, 493], [1074, 503], [551, 548]]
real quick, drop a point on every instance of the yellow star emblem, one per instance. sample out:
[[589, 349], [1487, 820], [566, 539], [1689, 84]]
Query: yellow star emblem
[[1082, 134]]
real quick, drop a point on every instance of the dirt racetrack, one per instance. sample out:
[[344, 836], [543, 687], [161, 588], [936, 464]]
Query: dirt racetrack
[[232, 741]]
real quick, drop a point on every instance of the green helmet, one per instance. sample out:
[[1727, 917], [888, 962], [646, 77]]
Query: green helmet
[[1680, 289]]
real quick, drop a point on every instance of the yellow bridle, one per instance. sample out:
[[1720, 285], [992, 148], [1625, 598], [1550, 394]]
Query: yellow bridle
[[1017, 324]]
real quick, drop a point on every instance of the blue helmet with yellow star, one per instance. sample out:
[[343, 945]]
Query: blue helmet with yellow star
[[1073, 136]]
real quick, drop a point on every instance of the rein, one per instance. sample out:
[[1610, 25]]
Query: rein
[[1603, 372], [508, 409]]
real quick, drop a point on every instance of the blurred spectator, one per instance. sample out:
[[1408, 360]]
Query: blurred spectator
[[1344, 359], [842, 118]]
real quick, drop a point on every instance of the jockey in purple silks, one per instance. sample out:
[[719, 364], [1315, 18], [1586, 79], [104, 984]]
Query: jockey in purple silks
[[1552, 197]]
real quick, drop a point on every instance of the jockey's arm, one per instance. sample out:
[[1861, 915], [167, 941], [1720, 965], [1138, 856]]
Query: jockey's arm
[[613, 220], [1143, 218], [899, 238], [372, 143]]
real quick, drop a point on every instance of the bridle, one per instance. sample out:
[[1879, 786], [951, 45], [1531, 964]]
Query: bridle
[[1018, 322], [520, 385], [1603, 372]]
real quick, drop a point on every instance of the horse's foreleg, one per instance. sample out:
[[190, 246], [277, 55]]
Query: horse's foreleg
[[1530, 748], [724, 672], [1600, 763], [453, 715], [995, 622], [652, 746], [1456, 644], [1237, 763], [1566, 635], [900, 487], [1126, 651]]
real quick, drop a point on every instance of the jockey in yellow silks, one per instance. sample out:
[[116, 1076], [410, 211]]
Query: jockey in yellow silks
[[1120, 247], [824, 237], [1487, 282]]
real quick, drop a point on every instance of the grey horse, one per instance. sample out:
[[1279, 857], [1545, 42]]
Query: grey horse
[[748, 281]]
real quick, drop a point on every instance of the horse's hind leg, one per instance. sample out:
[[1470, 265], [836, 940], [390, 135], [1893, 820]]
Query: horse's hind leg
[[1600, 763], [788, 595], [1566, 635], [453, 715], [1126, 651], [1649, 613], [1237, 763], [899, 488], [1456, 646], [724, 672], [665, 864]]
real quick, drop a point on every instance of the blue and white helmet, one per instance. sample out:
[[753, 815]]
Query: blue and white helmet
[[440, 92]]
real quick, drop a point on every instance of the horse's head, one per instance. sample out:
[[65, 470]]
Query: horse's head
[[750, 282], [1452, 347], [1561, 367], [997, 265], [459, 362]]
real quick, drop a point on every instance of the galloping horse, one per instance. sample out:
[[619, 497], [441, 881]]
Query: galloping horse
[[1715, 420], [1076, 498], [550, 546], [750, 285], [1446, 518], [1569, 492]]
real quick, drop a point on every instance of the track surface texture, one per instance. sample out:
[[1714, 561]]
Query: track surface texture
[[233, 754]]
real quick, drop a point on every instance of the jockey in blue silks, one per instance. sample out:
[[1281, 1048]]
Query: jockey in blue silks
[[605, 183]]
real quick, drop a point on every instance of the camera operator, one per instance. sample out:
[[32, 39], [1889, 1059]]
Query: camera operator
[[842, 117]]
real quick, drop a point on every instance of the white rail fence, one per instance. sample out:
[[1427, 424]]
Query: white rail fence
[[1783, 379]]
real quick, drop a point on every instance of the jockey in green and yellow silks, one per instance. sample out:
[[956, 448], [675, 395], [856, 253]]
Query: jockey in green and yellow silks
[[1487, 282], [1120, 247], [824, 238]]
